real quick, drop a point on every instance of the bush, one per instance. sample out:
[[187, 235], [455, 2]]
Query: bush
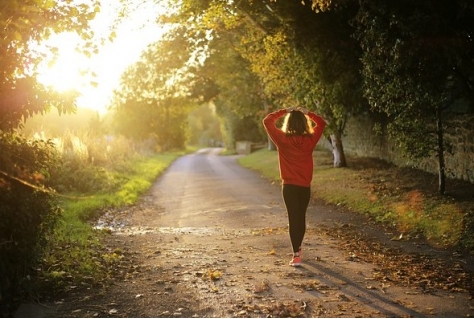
[[82, 178], [27, 213], [87, 162]]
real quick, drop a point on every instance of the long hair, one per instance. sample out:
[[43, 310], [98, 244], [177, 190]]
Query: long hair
[[297, 123]]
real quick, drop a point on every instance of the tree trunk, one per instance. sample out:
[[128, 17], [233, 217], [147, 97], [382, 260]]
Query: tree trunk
[[440, 150], [338, 150]]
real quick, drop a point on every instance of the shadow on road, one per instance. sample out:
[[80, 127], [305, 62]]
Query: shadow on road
[[354, 290]]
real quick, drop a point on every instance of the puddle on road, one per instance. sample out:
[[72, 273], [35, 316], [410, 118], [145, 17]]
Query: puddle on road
[[122, 229], [199, 231]]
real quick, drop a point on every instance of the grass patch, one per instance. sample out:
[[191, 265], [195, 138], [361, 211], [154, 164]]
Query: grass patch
[[264, 161], [399, 197]]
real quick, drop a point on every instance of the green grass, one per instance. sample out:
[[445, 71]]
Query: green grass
[[264, 161], [375, 193], [137, 179]]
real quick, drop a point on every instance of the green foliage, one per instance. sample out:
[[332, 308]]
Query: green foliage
[[24, 22], [26, 223], [278, 54], [237, 86], [228, 123], [150, 103], [417, 61], [33, 231], [83, 179], [23, 158], [309, 59], [204, 126], [248, 129], [238, 99], [27, 211], [88, 162]]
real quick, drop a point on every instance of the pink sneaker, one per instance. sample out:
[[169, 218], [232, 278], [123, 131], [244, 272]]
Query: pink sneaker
[[295, 262]]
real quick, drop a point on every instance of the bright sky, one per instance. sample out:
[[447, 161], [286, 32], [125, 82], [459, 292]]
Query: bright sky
[[133, 35]]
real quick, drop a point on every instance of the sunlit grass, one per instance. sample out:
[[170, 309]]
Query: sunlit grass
[[410, 212], [264, 161], [143, 175], [139, 179]]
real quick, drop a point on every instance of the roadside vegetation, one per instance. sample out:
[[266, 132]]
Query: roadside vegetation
[[75, 253], [58, 248], [401, 198]]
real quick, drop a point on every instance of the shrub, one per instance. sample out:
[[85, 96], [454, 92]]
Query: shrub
[[27, 213], [88, 160]]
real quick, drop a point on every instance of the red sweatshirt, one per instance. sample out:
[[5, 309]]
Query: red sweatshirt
[[295, 152]]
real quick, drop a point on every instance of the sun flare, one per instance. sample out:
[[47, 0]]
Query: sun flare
[[68, 71], [95, 77]]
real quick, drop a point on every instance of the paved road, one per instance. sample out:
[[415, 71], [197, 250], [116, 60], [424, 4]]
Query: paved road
[[207, 190], [226, 212]]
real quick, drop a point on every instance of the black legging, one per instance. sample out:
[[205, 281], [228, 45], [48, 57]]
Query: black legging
[[296, 200]]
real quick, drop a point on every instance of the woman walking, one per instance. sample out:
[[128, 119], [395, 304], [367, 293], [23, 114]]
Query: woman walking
[[295, 143]]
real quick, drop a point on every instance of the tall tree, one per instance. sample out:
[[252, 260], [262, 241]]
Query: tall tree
[[224, 78], [310, 58], [238, 96]]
